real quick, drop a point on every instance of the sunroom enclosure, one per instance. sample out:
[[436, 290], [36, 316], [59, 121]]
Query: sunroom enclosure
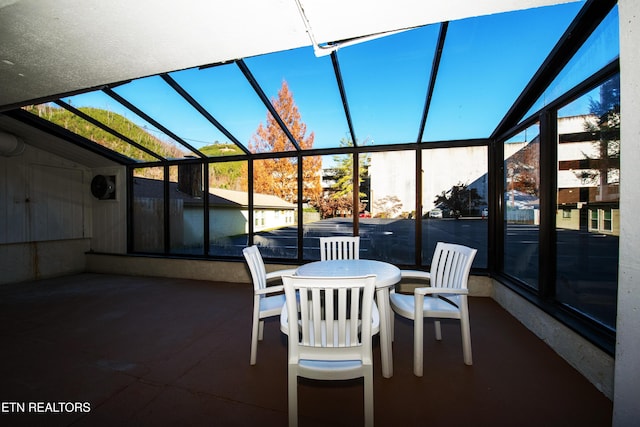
[[530, 177]]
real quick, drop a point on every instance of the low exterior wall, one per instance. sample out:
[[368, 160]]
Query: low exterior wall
[[223, 271], [593, 363]]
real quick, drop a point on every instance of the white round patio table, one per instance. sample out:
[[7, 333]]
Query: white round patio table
[[387, 275]]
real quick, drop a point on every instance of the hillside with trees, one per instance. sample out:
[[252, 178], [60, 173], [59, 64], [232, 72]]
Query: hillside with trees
[[115, 121]]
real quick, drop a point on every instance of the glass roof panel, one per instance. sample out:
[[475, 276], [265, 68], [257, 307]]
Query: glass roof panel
[[312, 84], [486, 63], [154, 97], [386, 84], [74, 123], [602, 47], [227, 95], [111, 113]]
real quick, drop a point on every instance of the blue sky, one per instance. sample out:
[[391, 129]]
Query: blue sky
[[486, 62]]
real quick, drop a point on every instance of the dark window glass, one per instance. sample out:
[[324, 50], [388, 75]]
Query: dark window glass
[[228, 208], [454, 200], [186, 209], [521, 205], [589, 185], [388, 193], [275, 208], [148, 210]]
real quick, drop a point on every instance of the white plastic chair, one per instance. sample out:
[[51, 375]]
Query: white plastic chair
[[267, 300], [447, 298], [339, 247], [330, 335]]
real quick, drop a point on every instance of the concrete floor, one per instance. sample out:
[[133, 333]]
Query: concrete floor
[[168, 352]]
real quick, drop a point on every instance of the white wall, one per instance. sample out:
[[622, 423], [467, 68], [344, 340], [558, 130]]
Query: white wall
[[45, 216], [109, 217], [626, 407]]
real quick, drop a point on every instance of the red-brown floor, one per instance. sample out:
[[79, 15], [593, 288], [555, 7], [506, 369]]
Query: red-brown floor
[[168, 352]]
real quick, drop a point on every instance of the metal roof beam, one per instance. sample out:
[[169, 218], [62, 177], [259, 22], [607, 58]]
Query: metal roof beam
[[175, 86], [256, 87], [143, 115], [343, 96], [107, 129], [432, 80]]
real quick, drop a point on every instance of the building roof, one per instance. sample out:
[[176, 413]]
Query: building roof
[[218, 197]]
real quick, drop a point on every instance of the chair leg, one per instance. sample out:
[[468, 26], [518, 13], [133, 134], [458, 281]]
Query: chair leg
[[293, 397], [436, 324], [368, 397], [418, 325], [392, 323], [254, 337], [465, 329], [260, 330]]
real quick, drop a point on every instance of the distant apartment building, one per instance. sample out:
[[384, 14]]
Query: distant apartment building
[[587, 177]]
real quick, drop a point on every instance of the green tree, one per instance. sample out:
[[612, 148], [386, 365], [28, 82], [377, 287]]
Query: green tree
[[460, 199], [340, 201]]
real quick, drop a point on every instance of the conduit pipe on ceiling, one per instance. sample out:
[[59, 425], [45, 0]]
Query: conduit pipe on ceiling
[[10, 145]]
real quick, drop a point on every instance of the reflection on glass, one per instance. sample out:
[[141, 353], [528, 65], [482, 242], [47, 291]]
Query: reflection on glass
[[148, 210], [275, 197], [387, 230], [455, 200], [601, 48], [228, 208], [76, 124], [522, 205], [588, 197], [387, 80], [313, 89], [186, 209]]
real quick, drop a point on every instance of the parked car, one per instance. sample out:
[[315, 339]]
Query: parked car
[[435, 213]]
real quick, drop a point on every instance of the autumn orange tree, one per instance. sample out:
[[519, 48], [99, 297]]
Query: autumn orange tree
[[278, 176]]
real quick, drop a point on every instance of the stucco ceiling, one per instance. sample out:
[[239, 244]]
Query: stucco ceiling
[[53, 47]]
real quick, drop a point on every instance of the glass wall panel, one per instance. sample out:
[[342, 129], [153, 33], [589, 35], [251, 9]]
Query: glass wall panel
[[275, 208], [116, 116], [602, 47], [311, 85], [521, 205], [228, 208], [186, 209], [470, 100], [314, 204], [227, 95], [161, 102], [330, 213], [588, 197], [148, 210], [386, 84], [455, 200], [388, 232], [76, 124]]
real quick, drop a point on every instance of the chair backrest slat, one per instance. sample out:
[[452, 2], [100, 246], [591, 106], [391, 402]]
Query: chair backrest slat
[[451, 265], [339, 247], [326, 315], [256, 267]]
